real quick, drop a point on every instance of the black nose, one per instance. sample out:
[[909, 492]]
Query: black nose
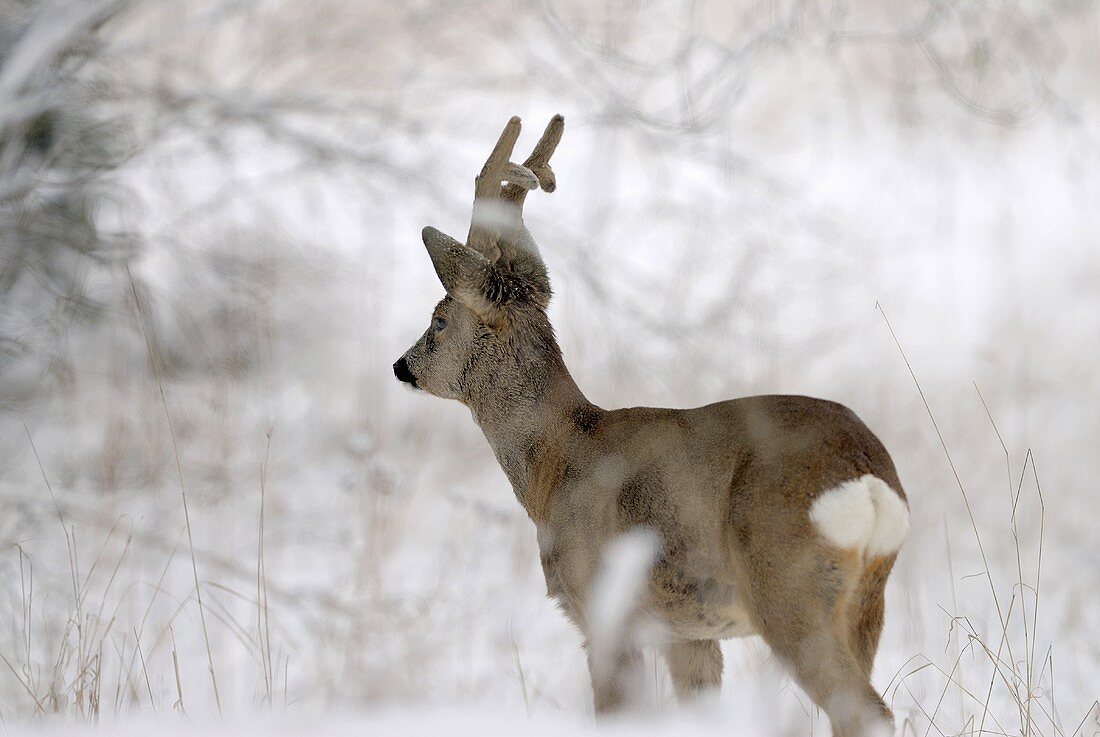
[[401, 371]]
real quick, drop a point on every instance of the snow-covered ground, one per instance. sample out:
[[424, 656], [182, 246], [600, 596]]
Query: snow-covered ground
[[363, 565]]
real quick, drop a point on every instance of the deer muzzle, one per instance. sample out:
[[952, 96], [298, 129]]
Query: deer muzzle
[[402, 372]]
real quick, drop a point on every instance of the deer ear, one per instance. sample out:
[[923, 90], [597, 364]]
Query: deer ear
[[455, 264], [466, 275]]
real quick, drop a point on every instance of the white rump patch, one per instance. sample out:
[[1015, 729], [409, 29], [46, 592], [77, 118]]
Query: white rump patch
[[864, 514]]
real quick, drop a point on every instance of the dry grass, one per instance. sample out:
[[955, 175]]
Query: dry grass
[[109, 655], [378, 559], [1008, 650]]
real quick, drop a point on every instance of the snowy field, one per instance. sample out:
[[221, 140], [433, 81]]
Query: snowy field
[[894, 208]]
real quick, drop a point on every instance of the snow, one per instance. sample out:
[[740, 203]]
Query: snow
[[399, 588]]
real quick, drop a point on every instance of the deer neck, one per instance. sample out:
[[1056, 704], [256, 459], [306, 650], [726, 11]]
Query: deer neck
[[529, 420]]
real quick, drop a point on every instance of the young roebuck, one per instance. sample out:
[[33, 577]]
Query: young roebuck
[[779, 516]]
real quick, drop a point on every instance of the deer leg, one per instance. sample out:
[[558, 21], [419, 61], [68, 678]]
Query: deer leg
[[810, 620], [824, 665], [617, 679], [868, 612], [826, 669], [695, 667]]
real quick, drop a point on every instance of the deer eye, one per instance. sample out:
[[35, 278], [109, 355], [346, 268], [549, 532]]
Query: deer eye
[[438, 324]]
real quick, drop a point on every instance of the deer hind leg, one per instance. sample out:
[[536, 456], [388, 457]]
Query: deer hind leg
[[695, 667], [808, 621], [829, 672], [868, 612]]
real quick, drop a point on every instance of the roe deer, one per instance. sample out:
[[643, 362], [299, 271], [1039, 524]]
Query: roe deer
[[778, 516]]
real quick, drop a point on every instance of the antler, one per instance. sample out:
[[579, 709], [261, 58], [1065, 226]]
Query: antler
[[497, 223]]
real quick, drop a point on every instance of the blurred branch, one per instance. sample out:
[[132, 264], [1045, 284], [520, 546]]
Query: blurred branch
[[29, 74]]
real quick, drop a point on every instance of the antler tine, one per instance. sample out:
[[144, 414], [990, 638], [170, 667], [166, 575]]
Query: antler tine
[[538, 174], [487, 183], [538, 163], [488, 219]]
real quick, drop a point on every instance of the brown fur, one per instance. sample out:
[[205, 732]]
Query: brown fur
[[727, 487]]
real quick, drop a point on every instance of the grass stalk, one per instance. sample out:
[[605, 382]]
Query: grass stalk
[[183, 489]]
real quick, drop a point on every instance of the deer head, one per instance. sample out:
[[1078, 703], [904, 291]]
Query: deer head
[[493, 320]]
